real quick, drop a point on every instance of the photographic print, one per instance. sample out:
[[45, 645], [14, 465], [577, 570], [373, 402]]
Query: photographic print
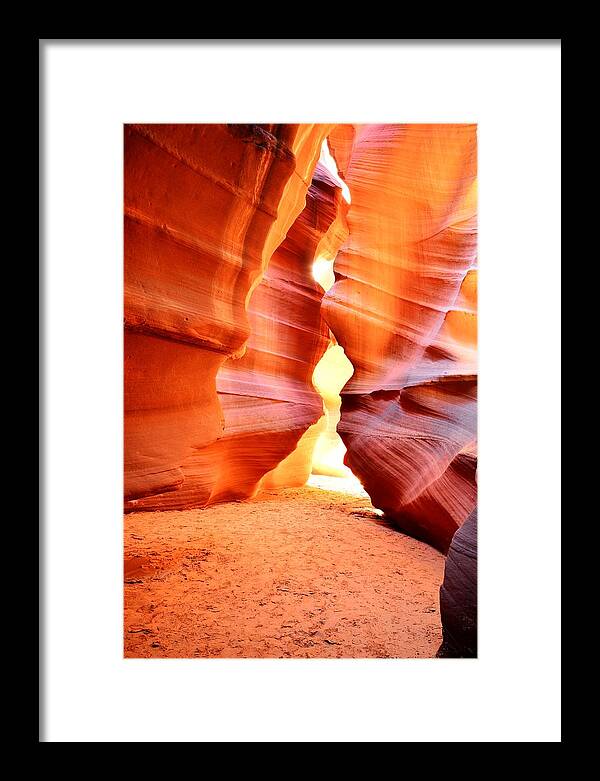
[[300, 377]]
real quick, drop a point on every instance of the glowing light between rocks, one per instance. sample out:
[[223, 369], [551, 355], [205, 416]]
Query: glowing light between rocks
[[326, 159], [322, 271], [330, 375], [344, 485]]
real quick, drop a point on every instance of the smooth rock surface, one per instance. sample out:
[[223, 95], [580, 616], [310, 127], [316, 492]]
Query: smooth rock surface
[[458, 594], [404, 309], [205, 208]]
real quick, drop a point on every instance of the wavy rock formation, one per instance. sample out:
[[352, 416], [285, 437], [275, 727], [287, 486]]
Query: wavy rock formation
[[458, 594], [404, 309], [270, 388], [219, 401], [206, 206], [265, 412]]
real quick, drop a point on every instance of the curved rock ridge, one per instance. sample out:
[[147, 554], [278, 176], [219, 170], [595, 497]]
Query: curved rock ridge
[[288, 338], [341, 140], [205, 208], [404, 309], [265, 397]]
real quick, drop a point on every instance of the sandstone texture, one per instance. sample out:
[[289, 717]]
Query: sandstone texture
[[458, 594], [404, 310], [219, 355]]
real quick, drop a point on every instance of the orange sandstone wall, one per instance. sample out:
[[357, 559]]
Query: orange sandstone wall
[[271, 412], [270, 387], [206, 206], [404, 309]]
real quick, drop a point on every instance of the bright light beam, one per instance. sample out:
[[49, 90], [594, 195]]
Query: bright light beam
[[328, 161]]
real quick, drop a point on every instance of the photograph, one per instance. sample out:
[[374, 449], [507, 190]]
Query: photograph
[[300, 390], [300, 441]]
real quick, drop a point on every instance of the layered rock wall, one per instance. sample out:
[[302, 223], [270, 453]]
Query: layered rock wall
[[404, 309], [206, 206]]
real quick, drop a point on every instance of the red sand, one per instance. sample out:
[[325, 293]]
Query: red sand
[[294, 573]]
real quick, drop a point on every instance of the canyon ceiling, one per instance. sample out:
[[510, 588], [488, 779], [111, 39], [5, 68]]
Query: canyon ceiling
[[225, 322]]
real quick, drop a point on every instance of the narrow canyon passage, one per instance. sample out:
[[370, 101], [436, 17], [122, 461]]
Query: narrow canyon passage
[[300, 390], [297, 572]]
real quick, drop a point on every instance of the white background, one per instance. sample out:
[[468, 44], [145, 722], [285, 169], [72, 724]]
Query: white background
[[511, 693]]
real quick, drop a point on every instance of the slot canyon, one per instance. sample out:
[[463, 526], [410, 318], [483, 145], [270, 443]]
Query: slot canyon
[[300, 376]]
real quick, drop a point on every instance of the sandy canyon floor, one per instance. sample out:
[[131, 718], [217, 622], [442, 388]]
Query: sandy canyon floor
[[294, 573]]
